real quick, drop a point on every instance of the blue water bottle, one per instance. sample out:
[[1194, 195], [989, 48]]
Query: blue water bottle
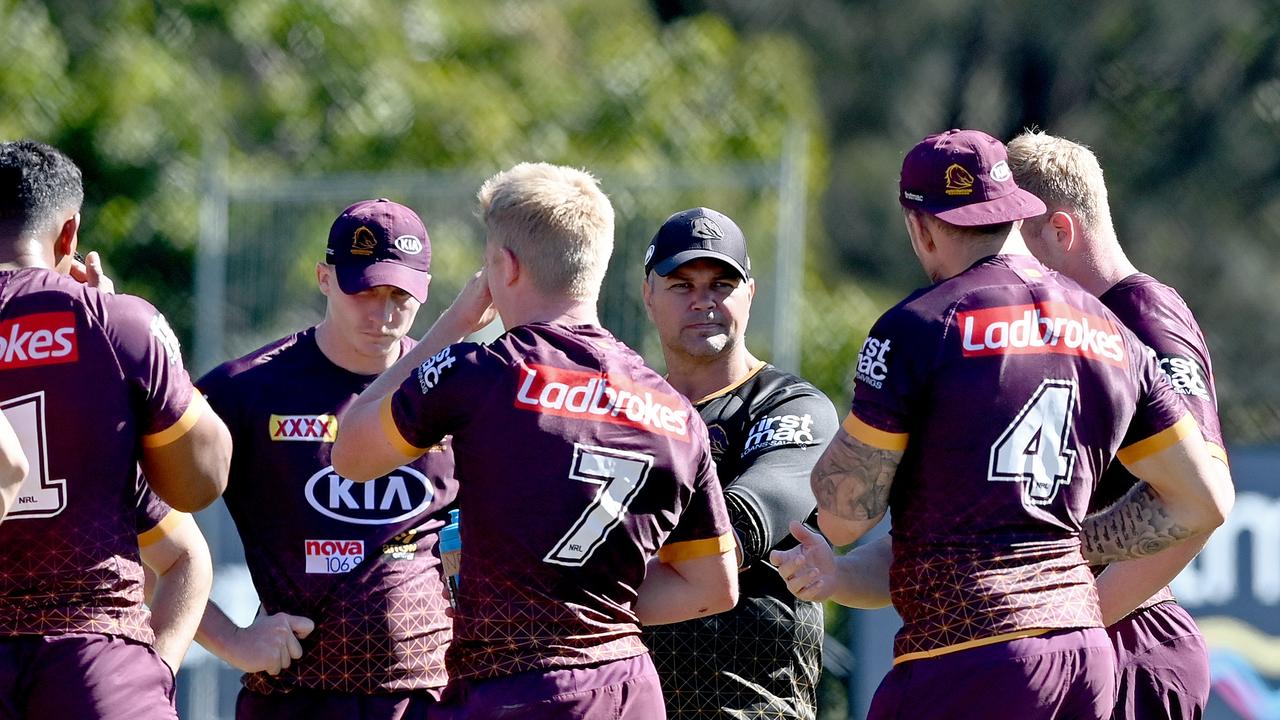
[[451, 555]]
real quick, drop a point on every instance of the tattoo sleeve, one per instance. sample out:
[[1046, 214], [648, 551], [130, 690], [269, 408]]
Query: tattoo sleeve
[[852, 479], [1138, 525]]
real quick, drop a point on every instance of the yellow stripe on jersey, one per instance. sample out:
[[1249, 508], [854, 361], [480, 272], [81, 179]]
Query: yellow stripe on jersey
[[1219, 452], [732, 386], [188, 420], [162, 528], [1162, 440], [874, 437], [969, 644], [389, 428], [694, 549]]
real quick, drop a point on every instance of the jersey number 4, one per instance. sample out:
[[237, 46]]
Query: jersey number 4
[[39, 497], [619, 475], [1036, 446]]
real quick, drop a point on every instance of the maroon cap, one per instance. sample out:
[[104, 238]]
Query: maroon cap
[[963, 177], [379, 242]]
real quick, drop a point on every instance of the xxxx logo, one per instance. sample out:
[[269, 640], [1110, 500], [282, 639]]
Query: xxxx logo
[[303, 428]]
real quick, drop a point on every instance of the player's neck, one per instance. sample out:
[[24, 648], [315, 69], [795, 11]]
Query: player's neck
[[1107, 265], [696, 377], [535, 308], [346, 356]]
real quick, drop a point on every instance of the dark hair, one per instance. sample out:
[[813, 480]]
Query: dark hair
[[36, 183]]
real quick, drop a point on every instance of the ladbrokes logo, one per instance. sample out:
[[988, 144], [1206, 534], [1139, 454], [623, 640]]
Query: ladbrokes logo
[[587, 396], [39, 339], [1047, 327], [303, 428]]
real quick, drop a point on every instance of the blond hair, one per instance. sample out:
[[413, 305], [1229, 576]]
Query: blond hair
[[556, 221], [1064, 174]]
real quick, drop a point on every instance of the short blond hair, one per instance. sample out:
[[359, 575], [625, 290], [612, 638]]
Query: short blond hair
[[556, 220], [1064, 174]]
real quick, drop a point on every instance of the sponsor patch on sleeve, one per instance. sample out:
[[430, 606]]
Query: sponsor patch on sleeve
[[303, 428], [1185, 374], [333, 557], [873, 365], [163, 334], [774, 431], [429, 372]]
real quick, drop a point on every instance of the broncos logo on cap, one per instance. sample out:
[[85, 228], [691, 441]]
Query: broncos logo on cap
[[706, 228], [959, 180], [364, 242]]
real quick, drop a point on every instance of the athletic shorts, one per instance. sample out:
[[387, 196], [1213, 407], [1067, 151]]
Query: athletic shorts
[[1067, 674], [620, 690], [83, 675], [1162, 665], [307, 704]]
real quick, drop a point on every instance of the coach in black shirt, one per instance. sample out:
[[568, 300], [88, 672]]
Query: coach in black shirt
[[767, 429]]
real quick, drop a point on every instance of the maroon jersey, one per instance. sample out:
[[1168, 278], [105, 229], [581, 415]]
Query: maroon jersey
[[1160, 318], [1009, 389], [359, 559], [577, 463], [86, 379]]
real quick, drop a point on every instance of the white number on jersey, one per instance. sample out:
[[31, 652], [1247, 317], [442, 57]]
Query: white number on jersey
[[39, 497], [1036, 445], [619, 475]]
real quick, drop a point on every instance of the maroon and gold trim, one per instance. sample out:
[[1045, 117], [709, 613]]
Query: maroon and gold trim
[[392, 431], [162, 528], [1162, 440], [734, 385], [179, 428], [694, 549], [969, 644], [874, 437]]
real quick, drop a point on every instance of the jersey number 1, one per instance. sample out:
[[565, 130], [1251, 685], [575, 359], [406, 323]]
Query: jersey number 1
[[619, 475], [39, 497], [1036, 446]]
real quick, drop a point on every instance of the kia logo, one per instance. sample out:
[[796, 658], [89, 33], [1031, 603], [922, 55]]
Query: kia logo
[[399, 495], [409, 244]]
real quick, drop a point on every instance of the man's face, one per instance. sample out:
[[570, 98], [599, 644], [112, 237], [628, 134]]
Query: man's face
[[371, 322], [701, 308]]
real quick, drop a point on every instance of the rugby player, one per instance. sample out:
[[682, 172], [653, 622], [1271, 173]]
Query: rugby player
[[767, 427], [1162, 659], [353, 620], [588, 495], [93, 385], [985, 409]]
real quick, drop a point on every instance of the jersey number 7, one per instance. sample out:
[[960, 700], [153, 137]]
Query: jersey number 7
[[620, 475]]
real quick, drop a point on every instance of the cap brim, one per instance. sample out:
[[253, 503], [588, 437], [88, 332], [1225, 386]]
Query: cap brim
[[667, 266], [358, 278], [1017, 205]]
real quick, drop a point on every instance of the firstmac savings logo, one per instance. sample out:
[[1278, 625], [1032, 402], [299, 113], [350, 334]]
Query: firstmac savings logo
[[303, 428], [595, 398], [1040, 328], [429, 372], [1185, 374], [873, 362], [38, 339], [779, 430]]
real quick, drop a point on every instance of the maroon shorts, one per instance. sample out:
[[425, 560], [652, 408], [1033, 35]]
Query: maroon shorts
[[306, 704], [83, 675], [1068, 674], [620, 690], [1162, 665]]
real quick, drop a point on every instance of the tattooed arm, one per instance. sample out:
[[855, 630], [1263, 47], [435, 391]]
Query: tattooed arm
[[1184, 493], [851, 483]]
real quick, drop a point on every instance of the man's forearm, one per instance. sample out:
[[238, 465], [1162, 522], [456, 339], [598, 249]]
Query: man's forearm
[[1138, 525], [177, 604], [697, 588], [1124, 586], [863, 575]]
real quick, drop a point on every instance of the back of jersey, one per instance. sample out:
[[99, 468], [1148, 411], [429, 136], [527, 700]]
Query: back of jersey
[[85, 379], [575, 463], [1010, 389]]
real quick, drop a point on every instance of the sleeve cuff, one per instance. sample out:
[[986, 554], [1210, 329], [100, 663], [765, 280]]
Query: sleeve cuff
[[392, 431], [1162, 440], [874, 437], [162, 528], [694, 549], [179, 428]]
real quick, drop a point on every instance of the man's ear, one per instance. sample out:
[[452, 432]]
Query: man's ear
[[324, 277], [1065, 230], [68, 239], [508, 267]]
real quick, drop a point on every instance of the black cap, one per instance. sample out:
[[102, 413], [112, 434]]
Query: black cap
[[697, 233]]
